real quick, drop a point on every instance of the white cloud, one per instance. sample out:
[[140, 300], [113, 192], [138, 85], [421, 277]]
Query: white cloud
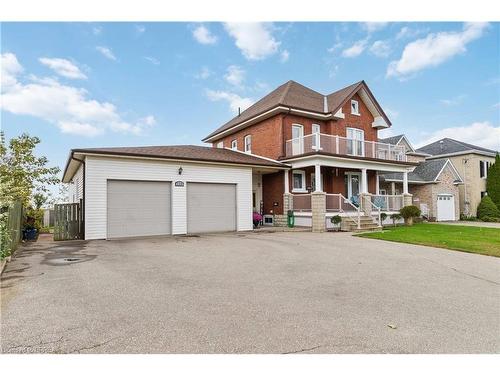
[[381, 48], [406, 33], [63, 67], [152, 60], [106, 52], [140, 29], [203, 35], [253, 39], [97, 30], [434, 49], [392, 114], [356, 49], [336, 46], [204, 73], [67, 107], [234, 100], [332, 73], [482, 134], [284, 56], [453, 101], [497, 105], [235, 75], [373, 26]]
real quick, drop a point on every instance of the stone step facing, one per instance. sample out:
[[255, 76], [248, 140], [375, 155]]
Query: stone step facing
[[367, 223]]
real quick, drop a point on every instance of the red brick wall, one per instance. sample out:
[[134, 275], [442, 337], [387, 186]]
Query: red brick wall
[[267, 137]]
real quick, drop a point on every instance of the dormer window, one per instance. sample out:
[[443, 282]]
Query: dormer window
[[220, 144], [234, 144], [354, 107]]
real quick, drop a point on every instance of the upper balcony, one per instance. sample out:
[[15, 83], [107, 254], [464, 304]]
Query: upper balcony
[[334, 144]]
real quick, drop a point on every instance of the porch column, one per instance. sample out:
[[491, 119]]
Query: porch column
[[317, 178], [318, 206], [287, 185], [407, 198], [393, 188], [377, 183], [405, 182], [365, 197], [364, 181]]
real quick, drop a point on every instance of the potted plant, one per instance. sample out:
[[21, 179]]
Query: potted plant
[[383, 216], [336, 220], [394, 218], [408, 213], [257, 218]]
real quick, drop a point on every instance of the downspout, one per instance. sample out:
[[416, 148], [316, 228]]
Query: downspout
[[82, 162]]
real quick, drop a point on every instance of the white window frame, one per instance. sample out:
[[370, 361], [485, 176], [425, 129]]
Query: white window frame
[[234, 144], [382, 192], [248, 143], [220, 144], [316, 140], [354, 131], [303, 179], [298, 142], [356, 103]]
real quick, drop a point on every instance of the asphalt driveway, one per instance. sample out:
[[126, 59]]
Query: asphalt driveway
[[249, 293]]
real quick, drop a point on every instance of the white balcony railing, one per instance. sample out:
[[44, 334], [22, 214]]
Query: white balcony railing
[[387, 202], [334, 144]]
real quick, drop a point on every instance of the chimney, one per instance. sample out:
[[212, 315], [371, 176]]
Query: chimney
[[239, 111]]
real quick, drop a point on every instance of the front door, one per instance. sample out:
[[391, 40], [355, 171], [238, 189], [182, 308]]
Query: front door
[[297, 139], [352, 180]]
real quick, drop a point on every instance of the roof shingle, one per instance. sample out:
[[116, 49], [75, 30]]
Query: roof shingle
[[449, 146]]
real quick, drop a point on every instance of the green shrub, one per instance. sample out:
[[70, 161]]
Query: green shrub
[[490, 219], [493, 182], [487, 208], [394, 218], [409, 212], [464, 217]]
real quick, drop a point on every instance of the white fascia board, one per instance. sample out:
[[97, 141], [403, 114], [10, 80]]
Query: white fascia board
[[407, 142], [339, 114], [379, 122], [333, 161], [454, 170]]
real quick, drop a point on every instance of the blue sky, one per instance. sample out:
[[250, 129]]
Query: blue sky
[[81, 85]]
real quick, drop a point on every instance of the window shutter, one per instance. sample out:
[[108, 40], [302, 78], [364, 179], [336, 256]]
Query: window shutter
[[481, 168]]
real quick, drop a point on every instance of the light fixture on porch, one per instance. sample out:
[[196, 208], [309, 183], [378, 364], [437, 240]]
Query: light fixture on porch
[[180, 170]]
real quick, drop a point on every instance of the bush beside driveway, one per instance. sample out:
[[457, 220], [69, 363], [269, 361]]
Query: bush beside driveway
[[249, 293]]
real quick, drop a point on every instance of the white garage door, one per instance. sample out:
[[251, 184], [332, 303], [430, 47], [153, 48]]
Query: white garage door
[[138, 208], [445, 207], [211, 207]]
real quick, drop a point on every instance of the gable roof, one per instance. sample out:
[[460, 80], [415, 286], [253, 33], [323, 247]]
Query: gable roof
[[426, 171], [181, 152], [448, 146], [392, 140], [294, 95]]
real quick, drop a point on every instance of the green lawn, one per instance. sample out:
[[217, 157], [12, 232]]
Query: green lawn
[[455, 237]]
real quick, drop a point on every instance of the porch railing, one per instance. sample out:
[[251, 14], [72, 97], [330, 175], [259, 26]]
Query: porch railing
[[301, 203], [387, 202], [334, 144]]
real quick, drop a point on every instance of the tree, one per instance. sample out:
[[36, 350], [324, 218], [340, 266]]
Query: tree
[[487, 209], [21, 171], [39, 199], [493, 181]]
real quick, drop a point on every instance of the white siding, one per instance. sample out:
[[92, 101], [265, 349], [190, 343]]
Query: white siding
[[100, 169], [75, 189]]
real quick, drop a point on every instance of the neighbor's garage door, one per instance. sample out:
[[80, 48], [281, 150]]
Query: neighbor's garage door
[[138, 208], [445, 207], [211, 207]]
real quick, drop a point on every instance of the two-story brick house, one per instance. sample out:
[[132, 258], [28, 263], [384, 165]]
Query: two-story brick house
[[330, 143]]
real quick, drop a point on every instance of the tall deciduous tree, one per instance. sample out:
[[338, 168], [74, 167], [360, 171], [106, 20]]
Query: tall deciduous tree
[[21, 171], [493, 182]]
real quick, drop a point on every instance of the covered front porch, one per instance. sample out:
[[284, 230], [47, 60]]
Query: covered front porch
[[319, 187]]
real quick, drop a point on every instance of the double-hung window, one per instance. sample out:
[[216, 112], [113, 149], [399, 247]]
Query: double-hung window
[[220, 144], [316, 137], [483, 168], [355, 107], [355, 142], [234, 144], [299, 181], [248, 144]]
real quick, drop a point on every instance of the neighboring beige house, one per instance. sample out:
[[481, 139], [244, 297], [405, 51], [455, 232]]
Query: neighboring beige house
[[471, 162], [434, 184]]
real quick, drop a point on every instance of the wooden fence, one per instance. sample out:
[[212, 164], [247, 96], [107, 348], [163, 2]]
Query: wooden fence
[[68, 222], [14, 223]]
